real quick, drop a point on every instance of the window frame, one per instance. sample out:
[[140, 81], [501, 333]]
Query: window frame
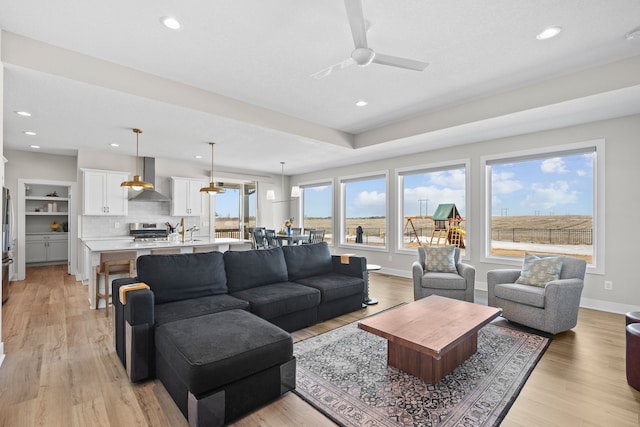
[[342, 181], [319, 183], [598, 145], [432, 167]]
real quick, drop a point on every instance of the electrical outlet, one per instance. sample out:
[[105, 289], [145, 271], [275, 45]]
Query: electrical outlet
[[116, 225], [608, 285], [390, 258]]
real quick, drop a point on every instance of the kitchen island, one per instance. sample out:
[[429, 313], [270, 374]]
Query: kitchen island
[[92, 247]]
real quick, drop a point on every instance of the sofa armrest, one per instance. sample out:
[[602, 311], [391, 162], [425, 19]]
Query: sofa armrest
[[134, 323], [139, 334], [417, 270], [119, 332], [469, 273], [562, 302], [357, 266]]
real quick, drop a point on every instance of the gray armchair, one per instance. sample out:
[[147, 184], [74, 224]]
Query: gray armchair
[[458, 285], [551, 308]]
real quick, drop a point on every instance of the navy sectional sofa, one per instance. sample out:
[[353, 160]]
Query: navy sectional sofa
[[208, 316]]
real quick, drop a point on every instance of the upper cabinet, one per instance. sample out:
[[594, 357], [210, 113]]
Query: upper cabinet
[[102, 194], [186, 198]]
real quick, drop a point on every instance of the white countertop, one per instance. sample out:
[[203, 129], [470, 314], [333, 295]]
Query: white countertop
[[120, 244]]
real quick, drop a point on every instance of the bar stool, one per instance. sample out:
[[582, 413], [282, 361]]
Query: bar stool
[[164, 251], [115, 262], [206, 248]]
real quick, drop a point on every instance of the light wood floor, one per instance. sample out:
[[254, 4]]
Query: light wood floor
[[61, 369]]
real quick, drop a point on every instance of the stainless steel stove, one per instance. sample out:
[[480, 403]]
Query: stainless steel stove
[[148, 232]]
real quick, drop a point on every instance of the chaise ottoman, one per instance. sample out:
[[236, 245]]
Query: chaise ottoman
[[220, 366]]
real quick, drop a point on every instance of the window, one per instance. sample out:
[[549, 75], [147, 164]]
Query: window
[[364, 210], [546, 202], [441, 190], [235, 215], [317, 208]]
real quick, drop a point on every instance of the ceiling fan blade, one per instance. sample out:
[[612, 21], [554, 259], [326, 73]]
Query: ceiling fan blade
[[356, 21], [395, 61], [326, 71]]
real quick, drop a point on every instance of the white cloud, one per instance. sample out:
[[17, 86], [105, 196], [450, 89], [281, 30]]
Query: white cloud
[[551, 196], [435, 196], [581, 172], [502, 183], [449, 178], [553, 165], [370, 198]]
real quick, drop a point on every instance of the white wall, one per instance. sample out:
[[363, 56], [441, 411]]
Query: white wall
[[2, 174], [622, 204]]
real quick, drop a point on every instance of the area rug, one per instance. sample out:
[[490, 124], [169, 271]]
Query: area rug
[[344, 374]]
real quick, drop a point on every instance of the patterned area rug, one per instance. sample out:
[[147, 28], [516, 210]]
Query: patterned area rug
[[344, 374]]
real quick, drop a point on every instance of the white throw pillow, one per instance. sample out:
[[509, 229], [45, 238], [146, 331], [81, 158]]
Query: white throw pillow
[[537, 271], [441, 259]]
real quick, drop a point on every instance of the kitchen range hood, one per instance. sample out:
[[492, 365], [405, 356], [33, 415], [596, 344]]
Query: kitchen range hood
[[149, 175]]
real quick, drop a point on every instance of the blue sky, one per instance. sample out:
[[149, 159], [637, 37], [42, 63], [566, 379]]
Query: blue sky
[[317, 201], [423, 192], [552, 186]]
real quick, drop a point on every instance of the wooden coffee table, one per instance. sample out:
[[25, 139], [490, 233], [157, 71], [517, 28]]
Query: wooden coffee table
[[430, 337]]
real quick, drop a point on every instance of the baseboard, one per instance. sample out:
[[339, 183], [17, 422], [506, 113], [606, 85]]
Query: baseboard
[[595, 304], [612, 307]]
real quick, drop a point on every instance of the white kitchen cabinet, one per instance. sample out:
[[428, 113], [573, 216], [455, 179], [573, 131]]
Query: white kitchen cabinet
[[186, 198], [102, 193], [46, 247]]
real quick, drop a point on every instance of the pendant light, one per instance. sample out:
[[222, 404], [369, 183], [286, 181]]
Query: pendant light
[[212, 189], [295, 190], [137, 184]]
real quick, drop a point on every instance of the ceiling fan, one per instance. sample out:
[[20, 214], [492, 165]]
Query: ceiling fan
[[363, 55]]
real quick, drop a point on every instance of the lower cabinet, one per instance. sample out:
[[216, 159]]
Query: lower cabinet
[[46, 247]]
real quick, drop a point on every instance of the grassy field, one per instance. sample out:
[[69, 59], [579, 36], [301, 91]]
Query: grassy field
[[534, 229]]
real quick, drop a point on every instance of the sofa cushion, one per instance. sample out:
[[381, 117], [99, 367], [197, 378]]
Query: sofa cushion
[[523, 294], [334, 286], [307, 260], [441, 258], [279, 299], [183, 276], [538, 271], [438, 280], [184, 309], [249, 269], [210, 351]]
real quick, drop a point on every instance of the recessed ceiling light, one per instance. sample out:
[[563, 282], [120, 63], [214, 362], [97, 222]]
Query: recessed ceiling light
[[31, 133], [198, 157], [549, 33], [362, 103], [171, 23], [34, 146], [23, 113], [113, 144]]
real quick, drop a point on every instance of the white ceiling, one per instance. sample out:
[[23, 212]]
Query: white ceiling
[[239, 73]]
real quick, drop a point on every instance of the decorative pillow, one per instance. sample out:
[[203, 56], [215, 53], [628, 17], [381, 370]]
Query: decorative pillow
[[441, 259], [537, 271]]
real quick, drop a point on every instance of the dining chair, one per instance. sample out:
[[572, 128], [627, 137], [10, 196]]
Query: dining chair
[[316, 236], [113, 263], [272, 241], [259, 238]]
